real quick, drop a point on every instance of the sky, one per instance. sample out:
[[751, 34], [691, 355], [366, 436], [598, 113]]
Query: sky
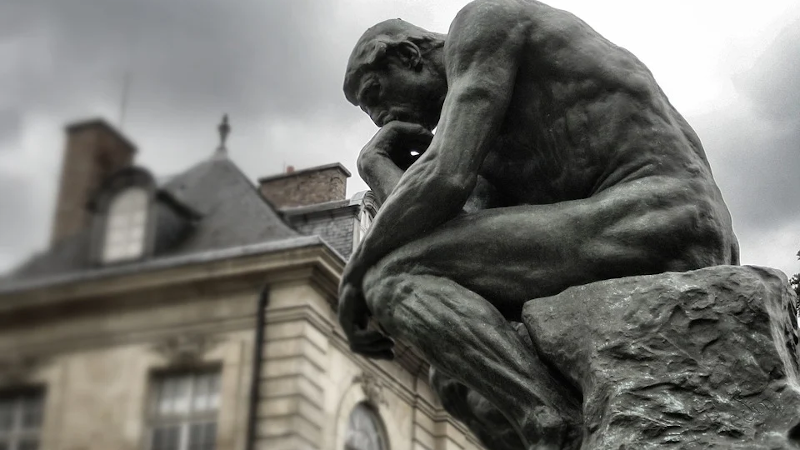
[[276, 67]]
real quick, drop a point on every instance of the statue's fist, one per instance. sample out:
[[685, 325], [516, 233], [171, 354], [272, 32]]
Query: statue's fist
[[402, 142]]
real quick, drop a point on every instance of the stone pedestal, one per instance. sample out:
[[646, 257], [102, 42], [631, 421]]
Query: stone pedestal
[[703, 359]]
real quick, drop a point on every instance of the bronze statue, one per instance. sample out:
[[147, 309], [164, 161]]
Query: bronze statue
[[556, 161]]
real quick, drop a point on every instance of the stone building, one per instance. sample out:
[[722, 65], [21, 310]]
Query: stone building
[[197, 312]]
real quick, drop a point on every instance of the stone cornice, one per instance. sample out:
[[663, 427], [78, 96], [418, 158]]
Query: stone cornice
[[310, 259]]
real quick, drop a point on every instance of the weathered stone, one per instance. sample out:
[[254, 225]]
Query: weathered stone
[[701, 359]]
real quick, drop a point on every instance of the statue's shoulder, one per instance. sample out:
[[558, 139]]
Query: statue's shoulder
[[486, 25], [488, 15]]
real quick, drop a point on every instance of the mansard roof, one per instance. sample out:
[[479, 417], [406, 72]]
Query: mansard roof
[[210, 206]]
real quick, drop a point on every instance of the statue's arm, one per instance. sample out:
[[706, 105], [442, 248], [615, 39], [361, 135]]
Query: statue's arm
[[482, 57], [382, 175], [386, 157]]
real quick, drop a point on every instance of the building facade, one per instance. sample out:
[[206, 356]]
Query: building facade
[[198, 312]]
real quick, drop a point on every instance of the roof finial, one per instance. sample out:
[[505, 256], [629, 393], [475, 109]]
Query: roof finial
[[224, 129]]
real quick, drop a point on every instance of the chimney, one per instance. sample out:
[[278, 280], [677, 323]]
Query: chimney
[[94, 150], [305, 187]]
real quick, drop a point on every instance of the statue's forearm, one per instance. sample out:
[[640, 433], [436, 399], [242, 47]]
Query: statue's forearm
[[420, 201], [380, 173]]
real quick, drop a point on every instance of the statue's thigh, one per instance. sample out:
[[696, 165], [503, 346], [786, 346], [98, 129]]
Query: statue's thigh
[[513, 254]]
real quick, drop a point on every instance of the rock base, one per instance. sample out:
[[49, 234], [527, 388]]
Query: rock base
[[704, 359]]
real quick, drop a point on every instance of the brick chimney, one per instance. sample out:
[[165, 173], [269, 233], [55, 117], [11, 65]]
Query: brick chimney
[[305, 187], [94, 150]]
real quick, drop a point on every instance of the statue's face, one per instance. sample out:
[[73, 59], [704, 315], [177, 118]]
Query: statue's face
[[397, 92]]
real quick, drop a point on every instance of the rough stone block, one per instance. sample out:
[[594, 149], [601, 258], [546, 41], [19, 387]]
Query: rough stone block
[[702, 359]]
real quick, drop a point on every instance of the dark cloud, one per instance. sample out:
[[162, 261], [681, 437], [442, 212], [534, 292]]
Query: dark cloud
[[264, 58]]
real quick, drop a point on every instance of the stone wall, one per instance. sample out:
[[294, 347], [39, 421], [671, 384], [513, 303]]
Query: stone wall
[[96, 369], [311, 382], [96, 360]]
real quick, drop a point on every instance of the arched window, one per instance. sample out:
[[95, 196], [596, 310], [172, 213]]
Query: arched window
[[365, 430], [126, 225]]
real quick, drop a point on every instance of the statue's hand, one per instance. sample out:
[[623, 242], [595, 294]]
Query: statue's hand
[[401, 142], [354, 316]]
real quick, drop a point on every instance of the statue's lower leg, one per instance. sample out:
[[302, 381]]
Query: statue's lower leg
[[465, 337]]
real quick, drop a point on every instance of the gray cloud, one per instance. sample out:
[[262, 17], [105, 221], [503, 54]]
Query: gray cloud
[[19, 203], [10, 128], [773, 84], [261, 57], [754, 147]]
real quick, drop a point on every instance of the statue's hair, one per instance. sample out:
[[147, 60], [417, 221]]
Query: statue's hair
[[380, 41]]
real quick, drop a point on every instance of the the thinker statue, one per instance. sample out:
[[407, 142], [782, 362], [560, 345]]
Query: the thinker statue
[[557, 161]]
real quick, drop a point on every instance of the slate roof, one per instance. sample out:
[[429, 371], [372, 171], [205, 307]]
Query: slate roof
[[68, 255], [211, 206], [335, 221], [233, 212]]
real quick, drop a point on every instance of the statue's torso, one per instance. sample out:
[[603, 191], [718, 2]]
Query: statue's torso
[[585, 115]]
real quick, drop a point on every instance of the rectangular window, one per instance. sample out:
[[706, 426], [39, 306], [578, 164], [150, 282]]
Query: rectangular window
[[21, 419], [183, 411]]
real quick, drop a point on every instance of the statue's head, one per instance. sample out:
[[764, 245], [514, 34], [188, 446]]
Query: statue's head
[[396, 72]]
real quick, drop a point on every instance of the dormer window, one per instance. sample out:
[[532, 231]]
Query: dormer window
[[126, 226]]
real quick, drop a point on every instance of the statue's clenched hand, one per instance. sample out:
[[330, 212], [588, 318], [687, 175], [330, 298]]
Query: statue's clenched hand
[[354, 316], [400, 142]]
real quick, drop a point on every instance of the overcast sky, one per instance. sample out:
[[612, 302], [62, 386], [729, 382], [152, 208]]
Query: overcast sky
[[276, 66]]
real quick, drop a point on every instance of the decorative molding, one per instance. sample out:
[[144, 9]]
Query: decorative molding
[[372, 387], [269, 263], [18, 369], [187, 348], [408, 361], [62, 344]]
